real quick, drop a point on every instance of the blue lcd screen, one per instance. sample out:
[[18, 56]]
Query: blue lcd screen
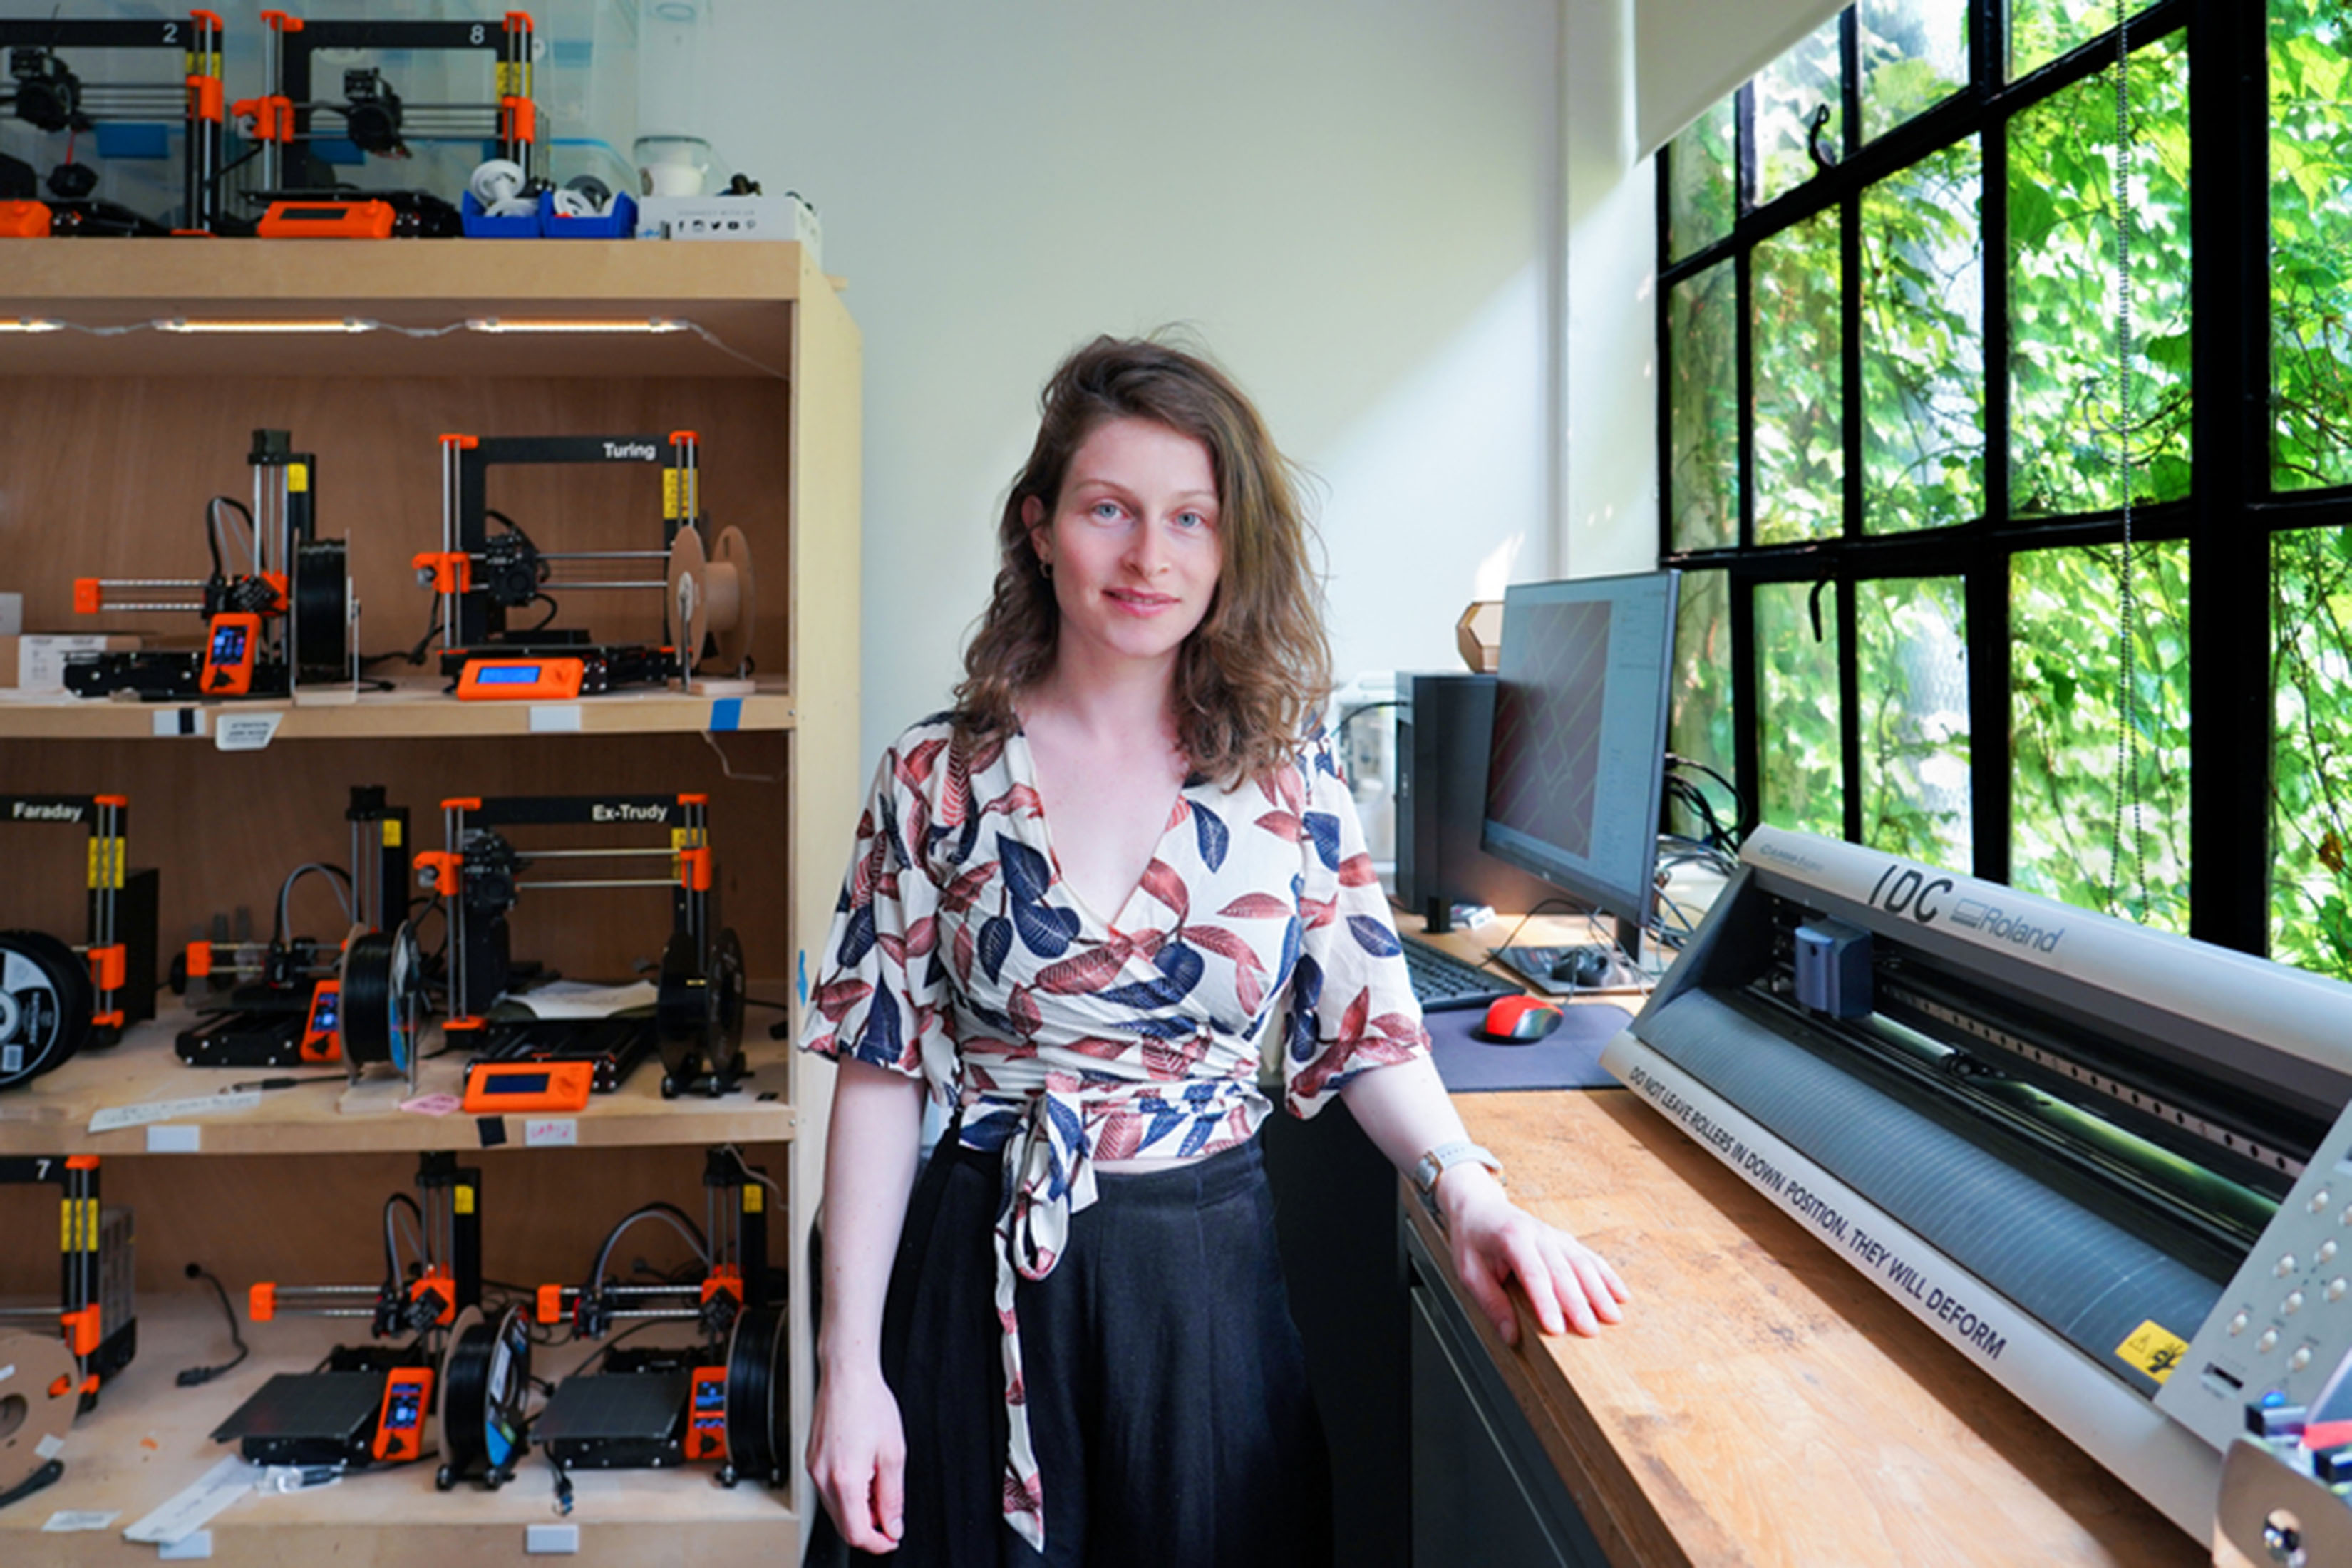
[[229, 644], [507, 675], [322, 1015]]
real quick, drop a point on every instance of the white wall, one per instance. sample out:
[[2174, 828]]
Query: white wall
[[1357, 203]]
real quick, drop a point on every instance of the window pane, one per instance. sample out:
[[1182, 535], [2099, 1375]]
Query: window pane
[[1703, 329], [1800, 384], [2062, 250], [2065, 670], [2041, 30], [2311, 238], [2311, 755], [1914, 55], [1797, 689], [1923, 345], [1701, 727], [1913, 670], [1700, 163], [1793, 94]]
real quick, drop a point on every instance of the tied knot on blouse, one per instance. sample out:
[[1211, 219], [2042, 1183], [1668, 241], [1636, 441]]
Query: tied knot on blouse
[[959, 956]]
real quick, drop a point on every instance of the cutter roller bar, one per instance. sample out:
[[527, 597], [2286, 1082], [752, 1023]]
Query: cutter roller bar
[[2092, 1276]]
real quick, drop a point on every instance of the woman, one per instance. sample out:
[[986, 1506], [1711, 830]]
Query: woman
[[1084, 904]]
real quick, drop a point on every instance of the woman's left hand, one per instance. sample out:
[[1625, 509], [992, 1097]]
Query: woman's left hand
[[1570, 1287]]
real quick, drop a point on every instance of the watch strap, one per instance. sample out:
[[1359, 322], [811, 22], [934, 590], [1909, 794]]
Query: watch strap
[[1438, 1161]]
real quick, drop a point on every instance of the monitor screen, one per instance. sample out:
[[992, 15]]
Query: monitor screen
[[1577, 757]]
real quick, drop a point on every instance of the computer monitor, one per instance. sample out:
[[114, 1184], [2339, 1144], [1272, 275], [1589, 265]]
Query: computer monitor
[[1579, 752]]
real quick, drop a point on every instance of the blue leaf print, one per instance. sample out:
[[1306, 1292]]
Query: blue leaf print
[[1163, 1029], [966, 839], [1374, 937], [1179, 965], [1163, 1123], [1180, 962], [1025, 871], [1324, 829], [885, 1030], [1306, 996], [857, 937], [841, 904], [1213, 835], [1044, 931], [1204, 1128], [890, 827], [995, 942]]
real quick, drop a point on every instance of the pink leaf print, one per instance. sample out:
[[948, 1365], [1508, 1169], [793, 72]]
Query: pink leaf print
[[966, 890], [893, 946], [838, 998], [962, 953], [1160, 880], [1356, 872], [1019, 798], [1255, 906], [914, 767], [1182, 814], [1085, 972], [920, 936], [1351, 1023], [1164, 1062], [1249, 988], [1282, 824], [1021, 1008], [955, 800], [1119, 1138], [1293, 794], [1225, 943], [1099, 1048], [1319, 912]]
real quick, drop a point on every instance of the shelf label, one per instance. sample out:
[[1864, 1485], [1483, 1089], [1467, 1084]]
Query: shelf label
[[177, 721], [175, 1137], [555, 718], [119, 1116], [71, 1519], [550, 1132], [246, 731]]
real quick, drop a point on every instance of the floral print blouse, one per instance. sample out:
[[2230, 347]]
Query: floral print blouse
[[959, 955]]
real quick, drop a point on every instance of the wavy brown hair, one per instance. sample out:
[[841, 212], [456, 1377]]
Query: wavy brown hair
[[1252, 676]]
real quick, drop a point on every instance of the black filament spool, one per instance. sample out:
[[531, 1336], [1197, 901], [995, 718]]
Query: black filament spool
[[45, 1005], [755, 1352], [322, 608], [485, 1379], [380, 1000]]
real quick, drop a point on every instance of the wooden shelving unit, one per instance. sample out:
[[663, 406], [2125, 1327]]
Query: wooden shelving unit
[[120, 430]]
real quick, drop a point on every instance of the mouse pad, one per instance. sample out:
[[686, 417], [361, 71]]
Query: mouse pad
[[1568, 1058]]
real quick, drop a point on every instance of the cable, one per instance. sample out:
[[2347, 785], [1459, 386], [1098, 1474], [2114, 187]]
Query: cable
[[286, 888], [669, 1215], [728, 769], [190, 1376], [391, 1245]]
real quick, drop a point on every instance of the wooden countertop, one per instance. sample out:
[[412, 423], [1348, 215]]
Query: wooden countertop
[[1763, 1402]]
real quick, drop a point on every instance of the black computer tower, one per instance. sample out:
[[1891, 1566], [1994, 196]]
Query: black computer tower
[[1445, 724]]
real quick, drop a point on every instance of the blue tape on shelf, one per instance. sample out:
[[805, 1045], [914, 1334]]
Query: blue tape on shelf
[[726, 713]]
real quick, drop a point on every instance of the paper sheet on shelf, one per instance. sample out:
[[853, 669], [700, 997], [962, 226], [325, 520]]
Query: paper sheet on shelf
[[578, 999]]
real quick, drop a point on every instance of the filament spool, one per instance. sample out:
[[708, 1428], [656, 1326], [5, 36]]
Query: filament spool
[[485, 1382], [39, 1391], [322, 608], [712, 594], [382, 1002], [45, 1005], [756, 1392]]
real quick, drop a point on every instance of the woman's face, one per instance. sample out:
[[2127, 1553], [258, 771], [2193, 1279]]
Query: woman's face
[[1132, 543]]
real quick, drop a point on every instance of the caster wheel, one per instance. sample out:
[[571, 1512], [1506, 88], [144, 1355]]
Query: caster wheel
[[727, 1477], [443, 1479], [669, 1086]]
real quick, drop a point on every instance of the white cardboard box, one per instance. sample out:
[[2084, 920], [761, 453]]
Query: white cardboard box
[[731, 218]]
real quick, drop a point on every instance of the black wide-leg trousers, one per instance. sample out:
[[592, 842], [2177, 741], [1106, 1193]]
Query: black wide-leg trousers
[[1168, 1396]]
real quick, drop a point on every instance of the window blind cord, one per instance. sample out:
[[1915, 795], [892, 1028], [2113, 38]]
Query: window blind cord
[[2126, 792]]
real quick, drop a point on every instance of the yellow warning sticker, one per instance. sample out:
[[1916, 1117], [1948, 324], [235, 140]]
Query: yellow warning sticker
[[462, 1200], [2153, 1349], [392, 833], [754, 1198], [298, 478]]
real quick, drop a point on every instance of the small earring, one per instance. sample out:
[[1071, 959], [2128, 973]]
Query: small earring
[[1046, 567]]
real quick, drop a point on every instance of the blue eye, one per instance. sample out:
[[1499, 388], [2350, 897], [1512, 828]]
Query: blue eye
[[1192, 520], [1105, 509]]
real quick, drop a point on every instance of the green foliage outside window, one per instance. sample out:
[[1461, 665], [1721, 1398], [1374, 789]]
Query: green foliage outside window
[[2311, 757], [2062, 250], [1797, 687], [1704, 490], [1923, 345], [2311, 244], [2041, 30], [1700, 181], [1800, 384], [1914, 666], [1791, 94], [2064, 675], [1700, 727], [1914, 54]]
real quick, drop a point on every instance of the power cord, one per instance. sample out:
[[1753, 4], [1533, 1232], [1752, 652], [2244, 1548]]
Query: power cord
[[191, 1377]]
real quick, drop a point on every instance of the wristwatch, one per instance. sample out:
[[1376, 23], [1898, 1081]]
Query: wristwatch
[[1438, 1161]]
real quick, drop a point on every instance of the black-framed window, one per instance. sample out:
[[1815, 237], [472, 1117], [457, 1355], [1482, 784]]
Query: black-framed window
[[1890, 419]]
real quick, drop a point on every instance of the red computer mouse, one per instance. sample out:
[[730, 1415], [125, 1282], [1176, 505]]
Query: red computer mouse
[[1520, 1020]]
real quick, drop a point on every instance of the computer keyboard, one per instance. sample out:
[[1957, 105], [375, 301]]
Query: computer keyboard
[[1443, 982]]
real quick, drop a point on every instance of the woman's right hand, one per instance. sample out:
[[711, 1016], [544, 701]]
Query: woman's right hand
[[857, 1457]]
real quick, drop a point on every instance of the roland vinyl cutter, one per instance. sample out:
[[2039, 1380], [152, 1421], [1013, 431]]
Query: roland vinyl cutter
[[2112, 1167]]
